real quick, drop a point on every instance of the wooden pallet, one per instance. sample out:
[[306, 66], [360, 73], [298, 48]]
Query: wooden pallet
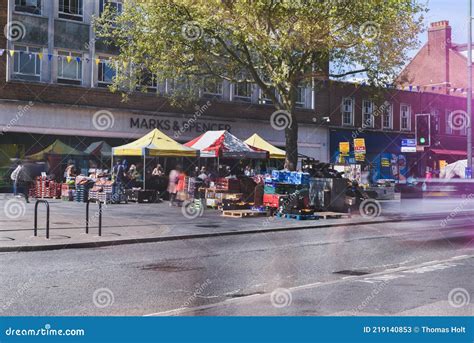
[[298, 216], [332, 215], [244, 213]]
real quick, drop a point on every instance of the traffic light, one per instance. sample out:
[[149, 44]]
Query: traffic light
[[423, 130]]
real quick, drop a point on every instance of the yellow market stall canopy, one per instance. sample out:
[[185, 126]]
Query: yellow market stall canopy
[[57, 148], [258, 142], [154, 143]]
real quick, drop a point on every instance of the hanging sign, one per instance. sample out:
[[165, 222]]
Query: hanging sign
[[359, 146], [344, 148]]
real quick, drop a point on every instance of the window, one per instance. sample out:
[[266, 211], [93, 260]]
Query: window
[[69, 67], [147, 82], [367, 113], [116, 5], [300, 97], [212, 89], [387, 116], [347, 111], [70, 9], [405, 117], [26, 63], [449, 126], [264, 99], [28, 6], [243, 91], [106, 72]]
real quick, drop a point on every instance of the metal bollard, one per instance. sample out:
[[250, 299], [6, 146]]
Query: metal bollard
[[100, 217], [36, 217]]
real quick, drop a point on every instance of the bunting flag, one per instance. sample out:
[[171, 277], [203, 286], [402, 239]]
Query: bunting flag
[[2, 51], [68, 59], [97, 61], [125, 64], [40, 56], [50, 57], [410, 87], [12, 53]]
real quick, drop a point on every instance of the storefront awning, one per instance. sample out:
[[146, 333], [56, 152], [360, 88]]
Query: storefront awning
[[449, 152]]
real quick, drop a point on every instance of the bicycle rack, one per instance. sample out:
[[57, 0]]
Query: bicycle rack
[[100, 217], [36, 217]]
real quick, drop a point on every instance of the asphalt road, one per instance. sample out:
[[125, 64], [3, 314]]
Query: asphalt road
[[413, 268]]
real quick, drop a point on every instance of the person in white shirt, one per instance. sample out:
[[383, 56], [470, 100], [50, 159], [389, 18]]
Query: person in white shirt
[[15, 176]]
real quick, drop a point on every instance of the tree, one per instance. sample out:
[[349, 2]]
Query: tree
[[276, 44]]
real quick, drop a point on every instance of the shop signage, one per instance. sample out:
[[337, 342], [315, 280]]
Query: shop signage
[[408, 145], [344, 148], [359, 146], [385, 162], [176, 125]]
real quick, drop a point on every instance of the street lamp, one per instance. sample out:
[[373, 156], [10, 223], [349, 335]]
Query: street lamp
[[469, 95]]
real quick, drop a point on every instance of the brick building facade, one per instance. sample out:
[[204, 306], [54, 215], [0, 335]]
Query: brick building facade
[[53, 79]]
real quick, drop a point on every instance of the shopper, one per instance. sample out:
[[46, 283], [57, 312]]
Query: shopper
[[158, 171], [15, 176], [173, 184]]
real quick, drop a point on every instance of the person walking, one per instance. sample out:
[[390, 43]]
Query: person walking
[[19, 181], [15, 176], [173, 184]]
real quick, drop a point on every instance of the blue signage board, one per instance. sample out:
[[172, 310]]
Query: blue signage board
[[408, 145]]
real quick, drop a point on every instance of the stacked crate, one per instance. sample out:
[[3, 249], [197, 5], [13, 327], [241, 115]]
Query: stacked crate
[[281, 185], [223, 189], [44, 188], [67, 192]]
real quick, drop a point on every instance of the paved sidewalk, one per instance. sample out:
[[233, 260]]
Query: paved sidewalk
[[138, 223]]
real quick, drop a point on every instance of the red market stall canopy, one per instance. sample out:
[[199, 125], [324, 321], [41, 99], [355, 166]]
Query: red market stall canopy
[[57, 148], [258, 142], [155, 143], [224, 145]]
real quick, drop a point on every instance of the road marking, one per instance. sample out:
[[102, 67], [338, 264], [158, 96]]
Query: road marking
[[383, 276]]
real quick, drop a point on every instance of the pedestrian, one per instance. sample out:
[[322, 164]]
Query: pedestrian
[[15, 176], [158, 171], [173, 184]]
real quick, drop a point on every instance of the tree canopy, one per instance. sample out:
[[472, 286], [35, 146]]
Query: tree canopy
[[277, 45]]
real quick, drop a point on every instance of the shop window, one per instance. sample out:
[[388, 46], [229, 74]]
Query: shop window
[[405, 117], [28, 6], [449, 127], [116, 5], [387, 116], [71, 9], [367, 113], [242, 91], [147, 82], [212, 89], [347, 111], [181, 85], [300, 97], [106, 72], [69, 67], [26, 63]]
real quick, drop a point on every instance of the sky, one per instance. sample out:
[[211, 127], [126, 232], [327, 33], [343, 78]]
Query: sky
[[455, 11]]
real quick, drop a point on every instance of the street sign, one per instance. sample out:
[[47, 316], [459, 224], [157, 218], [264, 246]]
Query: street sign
[[408, 145]]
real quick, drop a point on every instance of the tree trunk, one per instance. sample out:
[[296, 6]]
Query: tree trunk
[[291, 137]]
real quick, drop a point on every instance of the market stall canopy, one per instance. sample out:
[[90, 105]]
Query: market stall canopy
[[100, 148], [258, 142], [57, 148], [225, 145], [154, 143]]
